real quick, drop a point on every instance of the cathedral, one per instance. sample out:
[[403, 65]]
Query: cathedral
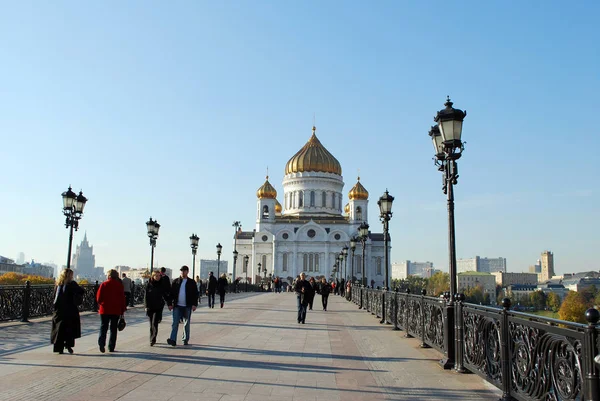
[[308, 229]]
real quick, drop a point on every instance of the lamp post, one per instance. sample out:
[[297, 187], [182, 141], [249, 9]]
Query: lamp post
[[340, 260], [219, 248], [246, 258], [345, 253], [448, 147], [73, 210], [352, 248], [385, 209], [152, 227], [363, 234], [194, 244], [235, 256]]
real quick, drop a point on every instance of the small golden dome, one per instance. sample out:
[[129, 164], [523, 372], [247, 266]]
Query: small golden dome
[[358, 192], [277, 207], [347, 208], [266, 191], [313, 157]]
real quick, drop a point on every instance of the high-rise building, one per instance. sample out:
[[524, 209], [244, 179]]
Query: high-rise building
[[483, 265], [407, 268], [83, 262], [547, 266], [537, 268], [21, 258], [207, 265]]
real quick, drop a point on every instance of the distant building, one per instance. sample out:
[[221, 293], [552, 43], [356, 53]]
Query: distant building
[[38, 269], [208, 265], [482, 265], [487, 282], [11, 268], [8, 261], [407, 268], [84, 262], [519, 291], [557, 288], [21, 258], [547, 266], [537, 268], [581, 283], [504, 279]]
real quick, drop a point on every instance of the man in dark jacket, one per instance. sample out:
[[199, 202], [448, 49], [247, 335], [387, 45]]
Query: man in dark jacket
[[303, 291], [211, 289], [183, 301]]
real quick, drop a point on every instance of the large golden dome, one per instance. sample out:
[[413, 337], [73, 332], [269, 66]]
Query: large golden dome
[[266, 191], [277, 207], [313, 157], [358, 192]]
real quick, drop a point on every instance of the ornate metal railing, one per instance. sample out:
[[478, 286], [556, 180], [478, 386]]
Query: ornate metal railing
[[526, 356]]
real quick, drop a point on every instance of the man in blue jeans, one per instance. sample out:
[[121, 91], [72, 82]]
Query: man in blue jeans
[[183, 301], [303, 293]]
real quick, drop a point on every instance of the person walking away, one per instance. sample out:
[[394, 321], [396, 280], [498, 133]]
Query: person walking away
[[211, 288], [155, 297], [127, 287], [183, 301], [313, 286], [111, 305], [325, 291], [222, 288], [199, 285], [342, 287], [302, 289], [66, 324]]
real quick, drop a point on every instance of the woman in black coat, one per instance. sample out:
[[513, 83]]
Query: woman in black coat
[[154, 301], [325, 291], [222, 287], [66, 325]]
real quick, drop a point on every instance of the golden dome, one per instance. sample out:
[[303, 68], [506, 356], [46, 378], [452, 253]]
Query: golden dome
[[358, 192], [347, 208], [313, 157], [266, 191], [277, 207]]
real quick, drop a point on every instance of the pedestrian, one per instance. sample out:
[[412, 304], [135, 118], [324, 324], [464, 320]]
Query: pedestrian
[[66, 325], [211, 288], [303, 290], [342, 287], [277, 285], [127, 287], [183, 301], [111, 305], [154, 302], [199, 285], [313, 286], [222, 288], [325, 291]]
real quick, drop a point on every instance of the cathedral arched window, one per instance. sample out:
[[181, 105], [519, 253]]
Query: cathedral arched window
[[378, 264], [284, 266], [264, 262], [311, 262], [358, 213], [300, 198], [333, 200], [305, 262], [340, 203], [316, 262], [323, 199], [312, 198], [265, 212]]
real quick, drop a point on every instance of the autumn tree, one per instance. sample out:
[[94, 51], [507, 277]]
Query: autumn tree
[[438, 284], [573, 307], [13, 278], [537, 299], [475, 295], [553, 301]]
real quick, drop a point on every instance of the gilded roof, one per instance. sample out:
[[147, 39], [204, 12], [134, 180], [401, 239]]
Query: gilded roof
[[358, 191], [266, 191], [347, 208], [277, 206], [313, 157]]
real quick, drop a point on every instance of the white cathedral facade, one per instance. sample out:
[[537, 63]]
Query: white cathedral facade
[[307, 231]]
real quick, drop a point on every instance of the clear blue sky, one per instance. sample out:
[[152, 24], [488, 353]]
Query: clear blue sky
[[175, 109]]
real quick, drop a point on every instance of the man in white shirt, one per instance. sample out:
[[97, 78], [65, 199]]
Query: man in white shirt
[[183, 301]]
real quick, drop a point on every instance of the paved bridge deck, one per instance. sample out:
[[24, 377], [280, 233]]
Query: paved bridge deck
[[253, 349]]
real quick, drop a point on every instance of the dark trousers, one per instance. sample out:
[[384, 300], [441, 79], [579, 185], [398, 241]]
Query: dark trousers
[[104, 322], [301, 309], [211, 299], [324, 299], [221, 298], [128, 300], [310, 302], [155, 316]]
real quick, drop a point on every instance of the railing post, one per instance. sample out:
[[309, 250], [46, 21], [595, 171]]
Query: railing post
[[505, 352], [449, 345], [362, 290], [96, 286], [459, 333], [591, 383], [396, 307], [406, 308], [423, 344], [383, 295], [26, 302]]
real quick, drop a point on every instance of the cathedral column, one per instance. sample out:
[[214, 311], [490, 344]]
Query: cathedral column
[[274, 257]]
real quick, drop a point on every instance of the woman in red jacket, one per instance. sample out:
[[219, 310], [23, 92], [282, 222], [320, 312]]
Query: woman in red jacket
[[111, 305]]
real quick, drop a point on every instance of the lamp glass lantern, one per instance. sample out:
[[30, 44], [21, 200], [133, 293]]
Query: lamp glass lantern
[[345, 250], [219, 248], [385, 204], [156, 228], [246, 258], [150, 227], [364, 229], [80, 203], [353, 243], [438, 142], [235, 254], [194, 241], [450, 121], [69, 198]]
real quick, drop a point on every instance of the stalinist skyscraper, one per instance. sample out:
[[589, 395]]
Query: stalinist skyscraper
[[84, 261]]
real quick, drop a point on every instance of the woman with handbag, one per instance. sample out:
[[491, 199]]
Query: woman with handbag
[[66, 325], [222, 288], [111, 306], [154, 302]]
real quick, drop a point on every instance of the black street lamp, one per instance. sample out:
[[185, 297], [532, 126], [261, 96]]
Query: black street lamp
[[152, 227], [363, 234], [385, 209], [352, 248], [340, 258], [194, 244], [73, 210], [219, 248], [448, 147], [235, 256], [259, 270], [345, 253], [246, 259], [238, 227]]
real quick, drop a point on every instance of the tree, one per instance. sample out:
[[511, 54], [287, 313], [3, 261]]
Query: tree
[[573, 307], [553, 301], [474, 295], [438, 284], [13, 278], [537, 299]]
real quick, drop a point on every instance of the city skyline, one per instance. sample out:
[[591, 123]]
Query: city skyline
[[177, 112]]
